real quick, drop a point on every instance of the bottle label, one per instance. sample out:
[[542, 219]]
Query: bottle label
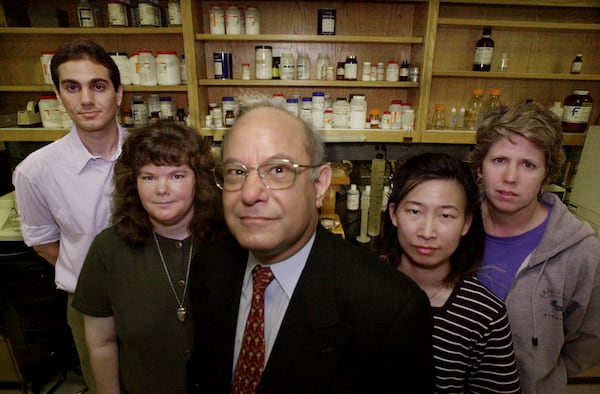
[[576, 67], [483, 55], [576, 114]]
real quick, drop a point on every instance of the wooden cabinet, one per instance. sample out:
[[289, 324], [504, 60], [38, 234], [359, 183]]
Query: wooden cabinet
[[541, 41], [540, 37]]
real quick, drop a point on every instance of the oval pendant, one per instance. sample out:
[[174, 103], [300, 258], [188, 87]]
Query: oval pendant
[[181, 314]]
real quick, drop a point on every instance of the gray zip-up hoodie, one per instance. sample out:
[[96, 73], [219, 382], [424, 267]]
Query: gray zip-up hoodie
[[554, 304]]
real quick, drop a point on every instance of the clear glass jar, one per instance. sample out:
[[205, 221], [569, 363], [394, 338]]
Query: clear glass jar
[[438, 122], [263, 62], [474, 109], [287, 66], [303, 66], [321, 66], [351, 68]]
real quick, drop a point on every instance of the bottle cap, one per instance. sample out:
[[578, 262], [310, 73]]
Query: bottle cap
[[439, 107], [353, 187], [477, 92], [495, 92]]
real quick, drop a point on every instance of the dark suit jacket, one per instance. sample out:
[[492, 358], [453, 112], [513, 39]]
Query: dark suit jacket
[[353, 325]]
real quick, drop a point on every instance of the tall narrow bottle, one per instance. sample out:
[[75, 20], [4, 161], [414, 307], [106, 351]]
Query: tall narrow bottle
[[493, 102], [482, 61], [474, 109]]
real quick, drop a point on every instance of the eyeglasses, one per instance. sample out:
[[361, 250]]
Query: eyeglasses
[[274, 174]]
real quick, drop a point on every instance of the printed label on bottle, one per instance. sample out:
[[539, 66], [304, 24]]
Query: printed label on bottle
[[576, 114], [483, 55]]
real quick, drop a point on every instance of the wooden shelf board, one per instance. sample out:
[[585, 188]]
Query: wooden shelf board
[[126, 88], [91, 30], [300, 83], [310, 38], [468, 137], [31, 134], [517, 24], [513, 75], [339, 135]]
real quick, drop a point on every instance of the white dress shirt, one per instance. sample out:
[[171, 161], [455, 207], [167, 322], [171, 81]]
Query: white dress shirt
[[277, 296]]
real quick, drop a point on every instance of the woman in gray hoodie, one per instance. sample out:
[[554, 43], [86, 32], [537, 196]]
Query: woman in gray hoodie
[[541, 260]]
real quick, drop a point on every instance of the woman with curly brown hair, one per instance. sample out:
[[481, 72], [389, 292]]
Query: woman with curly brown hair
[[133, 288]]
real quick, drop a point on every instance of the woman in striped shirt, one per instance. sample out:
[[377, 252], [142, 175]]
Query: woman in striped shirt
[[433, 232]]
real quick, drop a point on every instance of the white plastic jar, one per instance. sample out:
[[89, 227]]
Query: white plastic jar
[[392, 72], [233, 22], [167, 108], [45, 60], [134, 63], [122, 62], [263, 62], [167, 68], [252, 20], [358, 112], [148, 14], [217, 20], [147, 67], [291, 106], [396, 113], [50, 111]]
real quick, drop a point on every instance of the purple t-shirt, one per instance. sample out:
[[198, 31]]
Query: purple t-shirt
[[503, 256]]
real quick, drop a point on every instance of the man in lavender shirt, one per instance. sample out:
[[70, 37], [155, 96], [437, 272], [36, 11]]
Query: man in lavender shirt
[[64, 189]]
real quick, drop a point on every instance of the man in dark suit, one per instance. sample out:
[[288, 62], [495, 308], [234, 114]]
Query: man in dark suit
[[336, 319]]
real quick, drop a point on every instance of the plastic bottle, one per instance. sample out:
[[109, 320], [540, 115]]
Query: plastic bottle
[[252, 20], [147, 68], [374, 114], [358, 112], [493, 102], [577, 111], [217, 19], [318, 108], [392, 72], [386, 120], [474, 109], [321, 66], [557, 109], [291, 106], [452, 120], [577, 64], [460, 118], [396, 112], [438, 121], [233, 22], [352, 198], [365, 202], [174, 12], [303, 66], [484, 51]]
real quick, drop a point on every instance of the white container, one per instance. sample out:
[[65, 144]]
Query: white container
[[292, 106], [396, 112], [134, 63], [217, 20], [263, 62], [392, 72], [366, 71], [287, 66], [386, 120], [352, 198], [168, 70], [122, 62], [45, 60], [233, 20], [408, 120], [167, 108], [328, 119], [147, 67], [153, 104], [303, 66], [358, 112], [117, 14], [341, 113], [252, 20], [50, 112]]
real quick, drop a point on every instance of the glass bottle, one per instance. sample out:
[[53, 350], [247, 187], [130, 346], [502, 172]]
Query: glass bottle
[[321, 66], [351, 68], [341, 113], [503, 67], [483, 51], [303, 66], [493, 102], [438, 122], [577, 64], [85, 14], [474, 109], [287, 66]]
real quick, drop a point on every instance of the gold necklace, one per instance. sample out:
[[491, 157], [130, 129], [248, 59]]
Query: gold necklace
[[181, 310]]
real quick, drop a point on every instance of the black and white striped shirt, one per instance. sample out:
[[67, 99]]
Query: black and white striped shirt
[[472, 344]]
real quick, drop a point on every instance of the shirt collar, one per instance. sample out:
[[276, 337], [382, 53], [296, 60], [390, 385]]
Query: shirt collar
[[81, 156], [287, 272]]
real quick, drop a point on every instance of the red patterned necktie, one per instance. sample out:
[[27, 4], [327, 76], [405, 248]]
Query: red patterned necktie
[[251, 360]]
